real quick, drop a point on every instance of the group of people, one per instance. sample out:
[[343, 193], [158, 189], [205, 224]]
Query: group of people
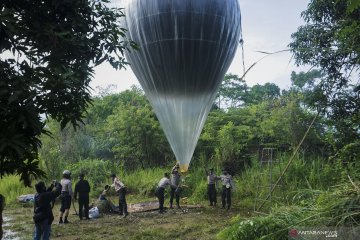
[[175, 184], [175, 188], [45, 197], [227, 185]]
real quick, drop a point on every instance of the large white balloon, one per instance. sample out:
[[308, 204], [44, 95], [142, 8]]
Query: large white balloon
[[186, 47]]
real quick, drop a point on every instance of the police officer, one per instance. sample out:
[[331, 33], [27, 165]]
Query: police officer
[[211, 188], [226, 180], [121, 190], [66, 195], [160, 191], [83, 188], [175, 188]]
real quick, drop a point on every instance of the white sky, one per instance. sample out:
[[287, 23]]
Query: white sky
[[267, 26]]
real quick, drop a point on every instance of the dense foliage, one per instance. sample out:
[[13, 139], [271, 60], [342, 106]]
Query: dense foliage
[[48, 52], [330, 41], [123, 129]]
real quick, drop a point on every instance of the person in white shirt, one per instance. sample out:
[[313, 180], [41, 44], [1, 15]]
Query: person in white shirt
[[226, 189], [211, 189], [66, 195], [121, 190], [160, 191], [175, 191]]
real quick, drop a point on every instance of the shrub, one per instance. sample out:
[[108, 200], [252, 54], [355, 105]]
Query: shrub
[[11, 188]]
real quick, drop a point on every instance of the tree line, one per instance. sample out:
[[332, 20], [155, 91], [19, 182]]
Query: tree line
[[122, 128]]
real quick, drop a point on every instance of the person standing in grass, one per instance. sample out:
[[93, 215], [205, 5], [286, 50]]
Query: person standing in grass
[[160, 191], [66, 195], [121, 190], [226, 189], [175, 190], [43, 215], [211, 188], [83, 188]]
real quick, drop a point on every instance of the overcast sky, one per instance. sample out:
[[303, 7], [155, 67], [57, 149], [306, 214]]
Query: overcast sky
[[267, 26]]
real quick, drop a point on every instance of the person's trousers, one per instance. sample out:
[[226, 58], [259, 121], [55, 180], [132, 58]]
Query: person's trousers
[[212, 193], [226, 197], [42, 230], [175, 193], [122, 202], [65, 201], [83, 206], [160, 193]]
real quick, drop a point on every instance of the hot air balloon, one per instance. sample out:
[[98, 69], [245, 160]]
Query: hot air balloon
[[185, 49]]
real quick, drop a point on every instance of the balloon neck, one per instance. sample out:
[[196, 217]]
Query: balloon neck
[[184, 168]]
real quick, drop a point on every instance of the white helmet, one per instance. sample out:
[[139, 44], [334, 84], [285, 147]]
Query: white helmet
[[66, 172]]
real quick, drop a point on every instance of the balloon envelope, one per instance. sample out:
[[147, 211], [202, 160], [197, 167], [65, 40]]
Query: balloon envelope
[[186, 47]]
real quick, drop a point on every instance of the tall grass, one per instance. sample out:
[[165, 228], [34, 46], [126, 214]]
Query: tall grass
[[143, 182], [11, 188]]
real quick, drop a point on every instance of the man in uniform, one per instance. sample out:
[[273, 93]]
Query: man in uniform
[[226, 189], [160, 191], [211, 189], [121, 190], [83, 188], [175, 191], [66, 195]]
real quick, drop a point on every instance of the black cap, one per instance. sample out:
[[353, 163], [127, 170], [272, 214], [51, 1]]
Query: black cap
[[113, 175], [81, 175]]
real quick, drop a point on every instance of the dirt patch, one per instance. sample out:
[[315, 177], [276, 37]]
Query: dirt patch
[[154, 205]]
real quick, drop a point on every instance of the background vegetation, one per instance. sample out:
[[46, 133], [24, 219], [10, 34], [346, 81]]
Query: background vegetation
[[120, 133]]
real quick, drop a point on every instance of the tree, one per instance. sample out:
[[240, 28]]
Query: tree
[[134, 133], [48, 52], [330, 41], [260, 93], [232, 91]]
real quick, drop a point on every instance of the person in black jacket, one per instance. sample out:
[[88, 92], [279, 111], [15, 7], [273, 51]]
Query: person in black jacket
[[83, 188], [43, 215]]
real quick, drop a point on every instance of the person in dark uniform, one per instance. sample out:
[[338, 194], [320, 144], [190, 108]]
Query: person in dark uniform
[[211, 189], [175, 189], [43, 215], [121, 190], [83, 188]]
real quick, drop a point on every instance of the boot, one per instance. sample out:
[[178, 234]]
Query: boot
[[177, 206], [66, 221], [171, 205], [60, 220]]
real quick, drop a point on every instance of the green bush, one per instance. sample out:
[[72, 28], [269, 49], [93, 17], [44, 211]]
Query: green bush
[[11, 188], [143, 182], [97, 172]]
